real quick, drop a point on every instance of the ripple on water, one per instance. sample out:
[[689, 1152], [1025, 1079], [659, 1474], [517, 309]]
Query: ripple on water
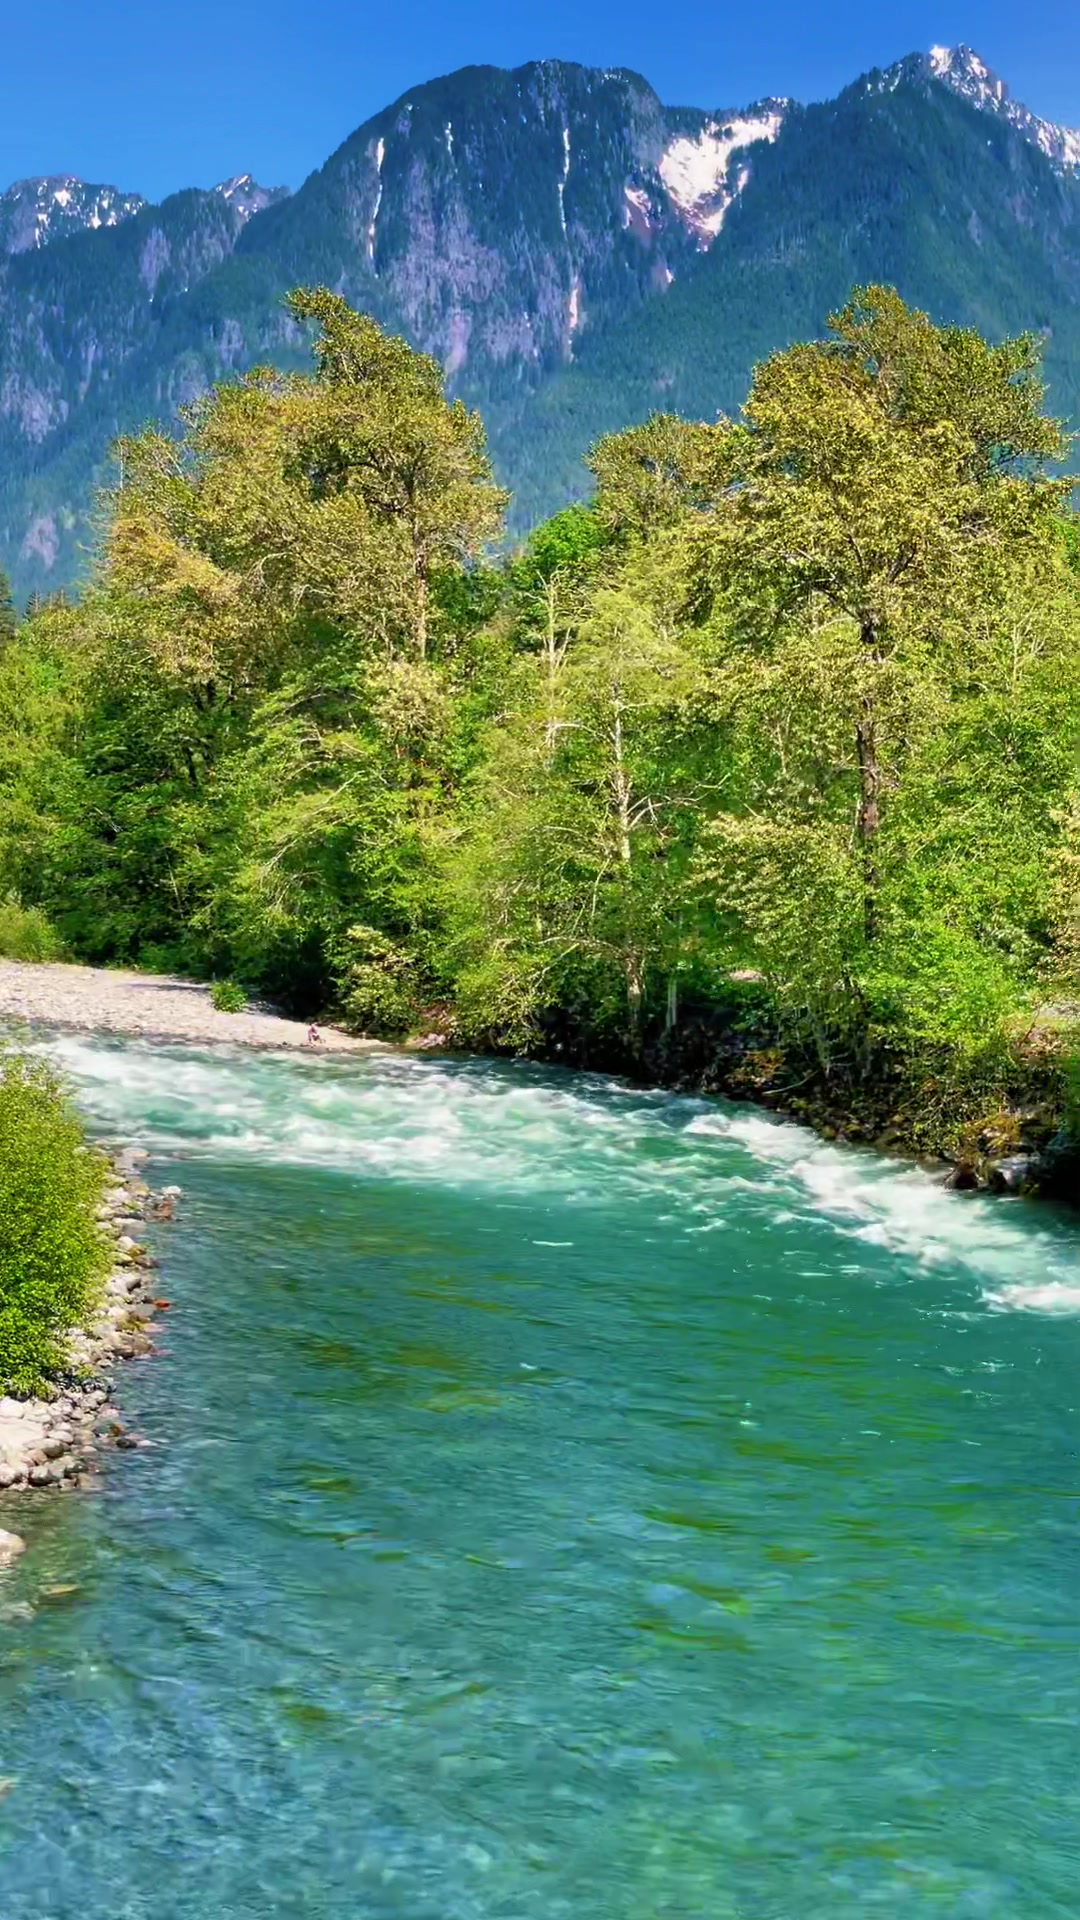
[[565, 1501]]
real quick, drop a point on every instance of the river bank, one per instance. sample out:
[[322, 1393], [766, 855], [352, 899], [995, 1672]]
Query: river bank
[[1018, 1148], [57, 1442], [149, 1006], [1011, 1141]]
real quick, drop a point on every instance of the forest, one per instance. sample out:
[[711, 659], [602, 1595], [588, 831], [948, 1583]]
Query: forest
[[757, 772]]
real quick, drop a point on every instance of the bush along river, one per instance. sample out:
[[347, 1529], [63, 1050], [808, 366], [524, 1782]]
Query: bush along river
[[560, 1500]]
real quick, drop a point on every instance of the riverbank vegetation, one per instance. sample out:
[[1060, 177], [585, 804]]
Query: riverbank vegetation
[[759, 770], [52, 1250]]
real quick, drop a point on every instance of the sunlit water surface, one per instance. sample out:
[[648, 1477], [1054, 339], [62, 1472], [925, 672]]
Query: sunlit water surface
[[564, 1501]]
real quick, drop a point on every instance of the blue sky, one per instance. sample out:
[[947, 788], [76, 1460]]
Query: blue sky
[[153, 95]]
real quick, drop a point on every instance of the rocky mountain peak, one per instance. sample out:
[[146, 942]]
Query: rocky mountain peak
[[37, 211], [574, 252], [245, 196], [966, 73]]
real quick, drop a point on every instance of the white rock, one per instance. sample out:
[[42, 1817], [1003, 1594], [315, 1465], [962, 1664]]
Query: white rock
[[10, 1548]]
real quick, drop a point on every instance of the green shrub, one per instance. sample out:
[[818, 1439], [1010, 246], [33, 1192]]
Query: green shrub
[[53, 1254], [26, 933], [227, 997], [376, 982]]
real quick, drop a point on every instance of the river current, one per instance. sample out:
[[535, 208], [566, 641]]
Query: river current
[[562, 1500]]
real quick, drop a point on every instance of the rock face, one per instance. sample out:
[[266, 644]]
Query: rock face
[[575, 254]]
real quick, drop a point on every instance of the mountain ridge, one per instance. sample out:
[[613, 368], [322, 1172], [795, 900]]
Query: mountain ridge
[[571, 250]]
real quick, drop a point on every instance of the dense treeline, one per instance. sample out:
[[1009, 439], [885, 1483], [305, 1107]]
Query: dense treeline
[[777, 737]]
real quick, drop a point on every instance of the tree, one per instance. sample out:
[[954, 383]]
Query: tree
[[888, 479], [571, 891], [287, 588], [378, 432]]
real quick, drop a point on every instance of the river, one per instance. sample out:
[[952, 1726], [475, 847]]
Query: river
[[564, 1500]]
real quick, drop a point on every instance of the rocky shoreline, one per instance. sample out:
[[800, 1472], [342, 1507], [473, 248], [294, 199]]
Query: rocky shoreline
[[56, 1444], [57, 997]]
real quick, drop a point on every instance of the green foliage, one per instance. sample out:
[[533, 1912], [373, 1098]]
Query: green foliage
[[777, 736], [228, 997], [377, 982], [52, 1251], [26, 933], [1070, 1076]]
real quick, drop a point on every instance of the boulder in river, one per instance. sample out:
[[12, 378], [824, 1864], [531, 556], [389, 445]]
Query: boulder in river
[[10, 1548]]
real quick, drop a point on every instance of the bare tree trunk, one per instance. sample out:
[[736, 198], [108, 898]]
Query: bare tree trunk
[[869, 814], [420, 581], [671, 1014], [551, 663], [621, 788], [635, 997], [421, 609]]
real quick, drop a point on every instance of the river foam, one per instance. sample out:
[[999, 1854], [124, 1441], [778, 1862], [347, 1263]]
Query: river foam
[[534, 1131]]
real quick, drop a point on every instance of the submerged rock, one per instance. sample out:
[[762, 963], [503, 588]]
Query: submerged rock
[[10, 1548], [1018, 1173], [1057, 1168]]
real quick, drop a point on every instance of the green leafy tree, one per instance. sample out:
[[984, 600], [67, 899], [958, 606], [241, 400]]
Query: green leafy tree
[[572, 888], [883, 484]]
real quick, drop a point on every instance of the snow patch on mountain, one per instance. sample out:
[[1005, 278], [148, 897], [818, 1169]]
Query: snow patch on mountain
[[697, 171], [379, 155], [637, 211], [565, 177]]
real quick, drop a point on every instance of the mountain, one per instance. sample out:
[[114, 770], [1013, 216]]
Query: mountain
[[962, 70], [35, 212], [925, 176], [573, 251]]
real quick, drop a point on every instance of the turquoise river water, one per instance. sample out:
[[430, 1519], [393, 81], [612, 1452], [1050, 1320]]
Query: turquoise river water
[[563, 1501]]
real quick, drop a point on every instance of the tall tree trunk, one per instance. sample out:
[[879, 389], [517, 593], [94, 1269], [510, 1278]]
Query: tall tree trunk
[[421, 606], [635, 997], [551, 663], [621, 790], [869, 814], [420, 585]]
